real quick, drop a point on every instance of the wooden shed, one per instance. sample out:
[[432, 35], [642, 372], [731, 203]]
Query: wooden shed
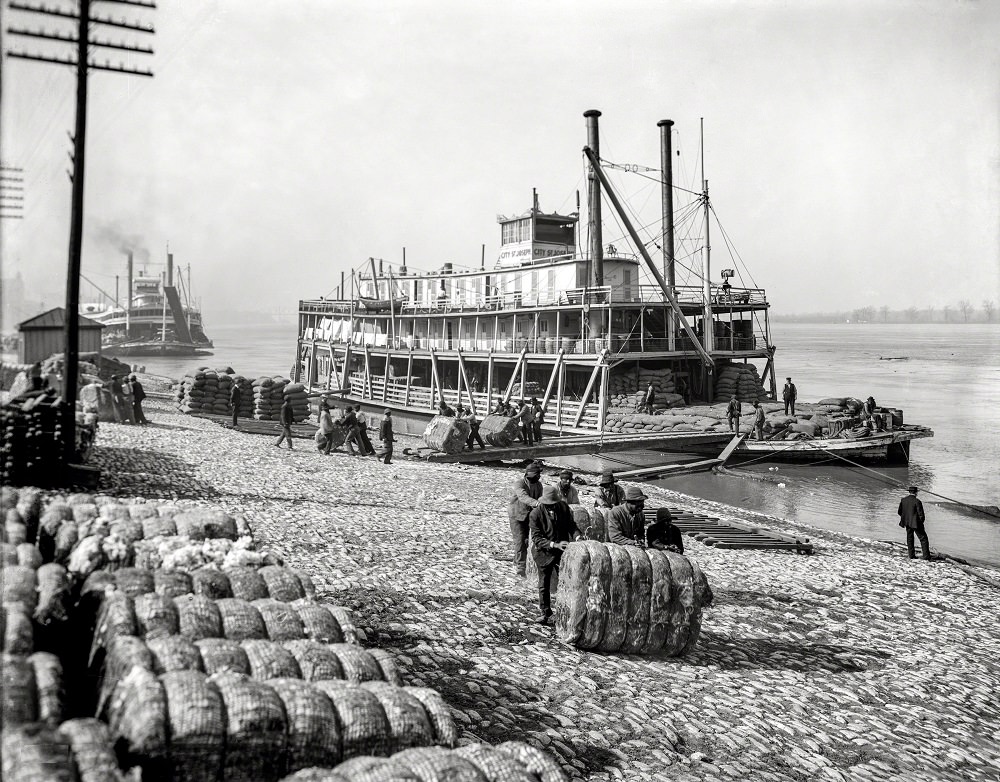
[[42, 335]]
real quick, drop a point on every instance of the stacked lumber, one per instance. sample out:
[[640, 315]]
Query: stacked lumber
[[447, 434], [629, 599]]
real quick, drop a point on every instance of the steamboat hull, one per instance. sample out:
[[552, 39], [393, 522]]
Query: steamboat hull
[[158, 348]]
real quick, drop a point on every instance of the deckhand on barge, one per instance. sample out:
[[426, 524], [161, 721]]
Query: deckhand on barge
[[579, 325]]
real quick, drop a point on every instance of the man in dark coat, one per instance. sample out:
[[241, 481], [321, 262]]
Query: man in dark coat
[[527, 491], [626, 525], [789, 394], [287, 417], [114, 385], [911, 516], [538, 420], [733, 411], [445, 409], [610, 493], [663, 534], [527, 417], [138, 394], [758, 420], [552, 528], [365, 444], [350, 423], [235, 398], [385, 435]]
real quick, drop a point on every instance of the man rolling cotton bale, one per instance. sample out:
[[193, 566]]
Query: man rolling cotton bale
[[551, 525]]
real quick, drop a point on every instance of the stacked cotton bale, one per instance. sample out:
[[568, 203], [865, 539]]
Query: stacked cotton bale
[[296, 394], [741, 380], [627, 390], [628, 599], [204, 390], [447, 433]]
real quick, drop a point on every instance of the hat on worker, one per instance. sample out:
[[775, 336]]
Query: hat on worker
[[607, 477], [913, 490], [551, 496], [634, 494], [388, 411], [533, 469], [663, 515], [565, 473]]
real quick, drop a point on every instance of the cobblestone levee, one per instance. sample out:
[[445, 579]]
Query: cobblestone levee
[[851, 664]]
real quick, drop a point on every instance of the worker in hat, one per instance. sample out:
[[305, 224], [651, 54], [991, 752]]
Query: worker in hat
[[385, 435], [537, 420], [758, 420], [526, 415], [789, 394], [663, 534], [911, 517], [527, 492], [610, 493], [552, 528], [566, 488], [626, 525]]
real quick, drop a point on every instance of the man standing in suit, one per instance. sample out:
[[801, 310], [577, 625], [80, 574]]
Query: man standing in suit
[[911, 517], [788, 395]]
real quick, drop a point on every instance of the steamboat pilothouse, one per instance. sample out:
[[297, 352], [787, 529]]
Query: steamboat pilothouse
[[569, 325]]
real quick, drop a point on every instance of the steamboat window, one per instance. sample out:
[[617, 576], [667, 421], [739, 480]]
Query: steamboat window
[[554, 231], [516, 231]]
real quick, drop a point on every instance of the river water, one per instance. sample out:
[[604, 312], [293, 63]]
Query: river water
[[943, 376]]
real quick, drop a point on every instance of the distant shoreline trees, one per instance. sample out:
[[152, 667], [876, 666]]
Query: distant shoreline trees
[[962, 312]]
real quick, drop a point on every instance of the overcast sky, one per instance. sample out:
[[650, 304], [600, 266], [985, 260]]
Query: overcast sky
[[852, 148]]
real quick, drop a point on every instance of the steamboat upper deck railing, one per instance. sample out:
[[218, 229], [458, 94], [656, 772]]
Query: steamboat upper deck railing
[[460, 302]]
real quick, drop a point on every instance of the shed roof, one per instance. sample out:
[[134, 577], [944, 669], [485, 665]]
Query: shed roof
[[55, 318]]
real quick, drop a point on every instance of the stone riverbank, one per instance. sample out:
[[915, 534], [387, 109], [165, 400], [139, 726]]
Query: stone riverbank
[[852, 664]]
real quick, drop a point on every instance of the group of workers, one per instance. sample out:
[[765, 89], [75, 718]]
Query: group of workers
[[352, 420], [127, 395], [466, 414], [529, 413], [541, 514], [734, 410]]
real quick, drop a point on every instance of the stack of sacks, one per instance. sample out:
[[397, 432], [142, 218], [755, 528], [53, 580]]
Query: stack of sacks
[[627, 390], [200, 392], [267, 398], [499, 430], [296, 394], [740, 379], [447, 434], [629, 599]]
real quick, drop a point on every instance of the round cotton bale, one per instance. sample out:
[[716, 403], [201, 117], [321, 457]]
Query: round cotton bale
[[158, 525], [19, 584], [211, 583], [270, 660], [156, 616], [128, 530], [281, 620], [220, 655], [255, 728], [313, 728], [241, 621], [19, 694], [246, 583], [365, 767], [123, 653], [445, 731], [172, 583], [92, 748], [26, 555], [358, 665], [137, 718], [534, 761], [36, 752], [408, 721], [8, 554], [318, 623], [18, 634], [493, 764], [282, 583], [198, 617], [174, 653], [316, 661], [53, 594], [437, 763], [206, 523], [387, 664], [197, 726], [365, 729]]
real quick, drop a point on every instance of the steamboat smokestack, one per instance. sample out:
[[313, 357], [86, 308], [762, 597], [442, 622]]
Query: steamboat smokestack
[[667, 169], [170, 269], [128, 297], [594, 201]]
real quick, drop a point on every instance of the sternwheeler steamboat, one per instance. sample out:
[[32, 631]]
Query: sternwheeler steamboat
[[580, 328]]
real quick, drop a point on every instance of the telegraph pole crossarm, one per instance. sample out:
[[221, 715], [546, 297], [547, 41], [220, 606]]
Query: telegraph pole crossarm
[[83, 43]]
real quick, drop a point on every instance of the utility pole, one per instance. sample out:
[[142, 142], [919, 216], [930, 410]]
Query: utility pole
[[83, 63]]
